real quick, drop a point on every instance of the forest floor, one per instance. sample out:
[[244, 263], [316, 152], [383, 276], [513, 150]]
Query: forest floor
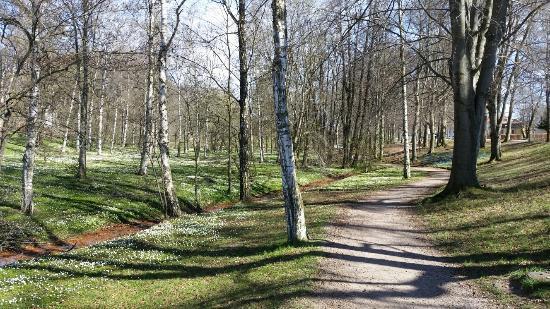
[[231, 257], [238, 256]]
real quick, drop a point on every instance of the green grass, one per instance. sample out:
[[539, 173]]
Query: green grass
[[503, 228], [237, 257], [113, 193]]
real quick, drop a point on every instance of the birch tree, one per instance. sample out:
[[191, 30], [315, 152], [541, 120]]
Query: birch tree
[[294, 206]]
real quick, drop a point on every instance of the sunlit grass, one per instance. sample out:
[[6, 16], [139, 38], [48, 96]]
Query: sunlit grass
[[503, 227]]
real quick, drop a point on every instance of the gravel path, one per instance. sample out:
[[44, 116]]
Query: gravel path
[[378, 257]]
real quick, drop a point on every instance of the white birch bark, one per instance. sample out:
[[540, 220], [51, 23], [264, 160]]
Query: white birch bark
[[148, 126], [68, 121], [31, 125], [294, 206], [406, 158], [171, 199], [100, 112], [114, 131], [126, 114]]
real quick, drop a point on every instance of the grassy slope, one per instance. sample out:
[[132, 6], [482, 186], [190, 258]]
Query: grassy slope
[[502, 230], [112, 193], [233, 258]]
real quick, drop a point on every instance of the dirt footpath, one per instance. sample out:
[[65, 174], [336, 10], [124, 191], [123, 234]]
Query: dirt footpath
[[379, 257]]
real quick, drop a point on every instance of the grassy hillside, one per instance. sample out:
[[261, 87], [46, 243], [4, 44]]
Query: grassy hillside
[[502, 231]]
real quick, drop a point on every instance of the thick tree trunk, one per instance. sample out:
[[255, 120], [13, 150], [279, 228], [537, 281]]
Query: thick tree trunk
[[470, 98], [171, 199], [148, 127], [294, 206]]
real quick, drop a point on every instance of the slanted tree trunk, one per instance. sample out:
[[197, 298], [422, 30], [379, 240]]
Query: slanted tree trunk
[[27, 206], [171, 199], [148, 127], [294, 206]]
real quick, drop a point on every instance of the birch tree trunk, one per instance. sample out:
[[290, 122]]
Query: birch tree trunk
[[29, 154], [180, 122], [244, 108], [114, 131], [126, 114], [83, 144], [171, 199], [406, 159], [294, 206], [146, 140], [68, 121], [417, 105], [100, 112]]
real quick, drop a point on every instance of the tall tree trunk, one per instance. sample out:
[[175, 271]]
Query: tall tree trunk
[[294, 206], [126, 114], [432, 128], [244, 108], [171, 199], [83, 143], [4, 117], [100, 111], [91, 110], [260, 133], [68, 121], [29, 154], [417, 105], [180, 123], [114, 131], [148, 127], [406, 159]]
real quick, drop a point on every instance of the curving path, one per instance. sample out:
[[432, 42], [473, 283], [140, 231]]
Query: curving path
[[378, 257]]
